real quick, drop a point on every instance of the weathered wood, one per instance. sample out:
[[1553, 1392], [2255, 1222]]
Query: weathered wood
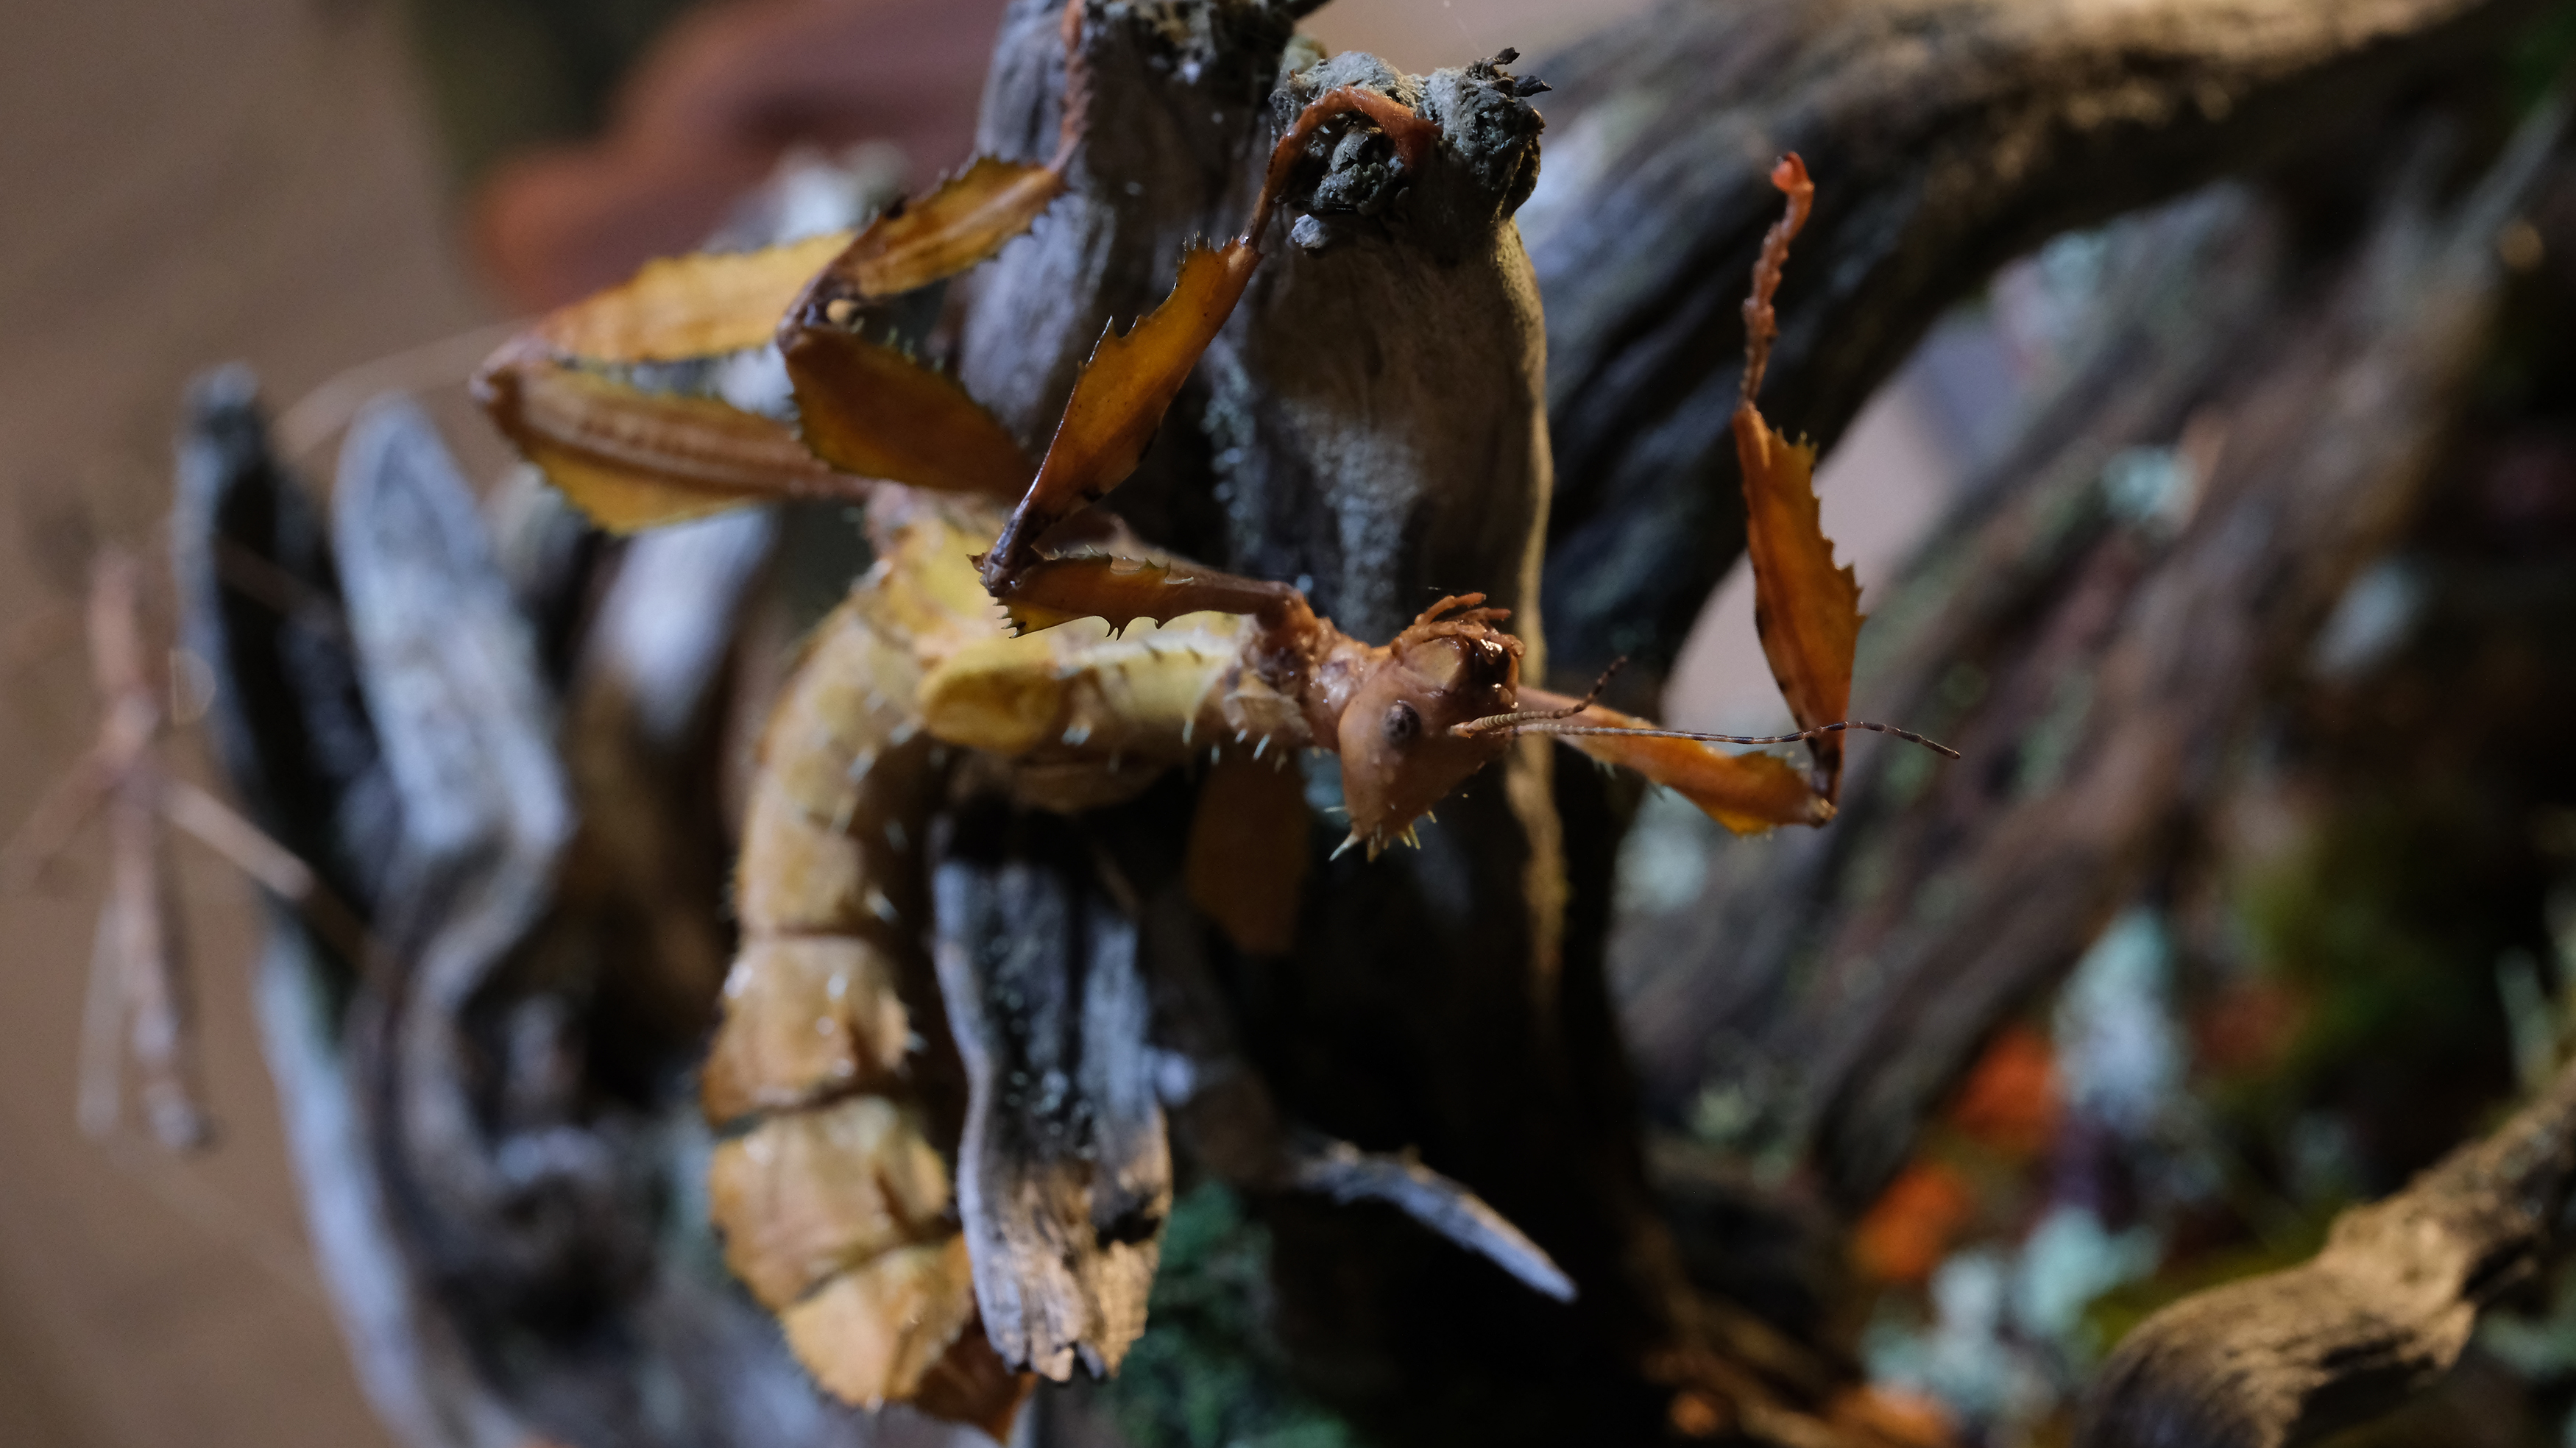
[[2381, 1313], [1946, 136], [260, 603], [1064, 1175], [426, 1321]]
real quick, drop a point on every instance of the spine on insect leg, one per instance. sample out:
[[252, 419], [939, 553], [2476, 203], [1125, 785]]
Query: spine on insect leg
[[833, 1199], [1090, 718]]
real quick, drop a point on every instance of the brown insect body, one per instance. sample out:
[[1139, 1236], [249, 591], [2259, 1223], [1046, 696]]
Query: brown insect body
[[1105, 667]]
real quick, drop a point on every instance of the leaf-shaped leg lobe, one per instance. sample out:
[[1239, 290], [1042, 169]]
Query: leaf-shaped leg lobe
[[632, 459]]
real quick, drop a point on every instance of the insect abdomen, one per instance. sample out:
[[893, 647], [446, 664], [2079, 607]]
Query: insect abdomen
[[835, 1206]]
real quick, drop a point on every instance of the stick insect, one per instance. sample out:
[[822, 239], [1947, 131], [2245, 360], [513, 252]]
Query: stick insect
[[1106, 664]]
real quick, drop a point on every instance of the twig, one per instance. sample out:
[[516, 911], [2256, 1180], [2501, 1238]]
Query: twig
[[137, 977]]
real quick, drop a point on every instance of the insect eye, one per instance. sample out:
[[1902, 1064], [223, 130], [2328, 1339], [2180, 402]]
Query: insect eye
[[1402, 723]]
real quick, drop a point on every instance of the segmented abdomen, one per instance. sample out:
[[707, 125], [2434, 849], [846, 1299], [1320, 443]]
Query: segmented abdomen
[[835, 1204], [833, 1189]]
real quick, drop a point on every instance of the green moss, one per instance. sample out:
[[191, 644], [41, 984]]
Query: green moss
[[1208, 1373]]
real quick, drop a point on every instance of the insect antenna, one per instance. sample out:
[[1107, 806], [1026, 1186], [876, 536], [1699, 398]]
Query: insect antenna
[[1511, 723], [1544, 725], [1553, 721]]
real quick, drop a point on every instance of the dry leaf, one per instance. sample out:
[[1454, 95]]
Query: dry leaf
[[1747, 793], [691, 306], [1806, 609], [1121, 396]]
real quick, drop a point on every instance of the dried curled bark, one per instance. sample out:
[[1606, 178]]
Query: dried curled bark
[[2381, 1313]]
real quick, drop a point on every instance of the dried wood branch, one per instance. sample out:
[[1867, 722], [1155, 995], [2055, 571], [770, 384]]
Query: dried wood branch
[[1064, 1177], [2378, 1315], [140, 918]]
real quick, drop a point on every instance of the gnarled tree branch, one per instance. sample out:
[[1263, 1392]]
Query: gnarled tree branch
[[2382, 1312]]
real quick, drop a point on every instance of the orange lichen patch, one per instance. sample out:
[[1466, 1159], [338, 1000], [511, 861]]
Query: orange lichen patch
[[1806, 609], [1248, 857], [965, 221], [1695, 1414], [1747, 793], [631, 459], [1910, 1229], [691, 306], [1121, 396], [872, 1334], [1893, 1415], [869, 409], [805, 1017], [2010, 1100]]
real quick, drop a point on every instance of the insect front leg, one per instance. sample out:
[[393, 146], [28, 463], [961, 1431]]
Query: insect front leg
[[1747, 793]]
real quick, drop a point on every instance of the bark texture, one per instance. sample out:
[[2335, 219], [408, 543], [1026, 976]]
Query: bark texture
[[1064, 1176]]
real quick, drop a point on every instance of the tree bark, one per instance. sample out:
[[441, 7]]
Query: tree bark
[[1373, 422]]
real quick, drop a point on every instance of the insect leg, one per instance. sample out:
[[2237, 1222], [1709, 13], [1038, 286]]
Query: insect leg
[[1130, 381], [1747, 793]]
